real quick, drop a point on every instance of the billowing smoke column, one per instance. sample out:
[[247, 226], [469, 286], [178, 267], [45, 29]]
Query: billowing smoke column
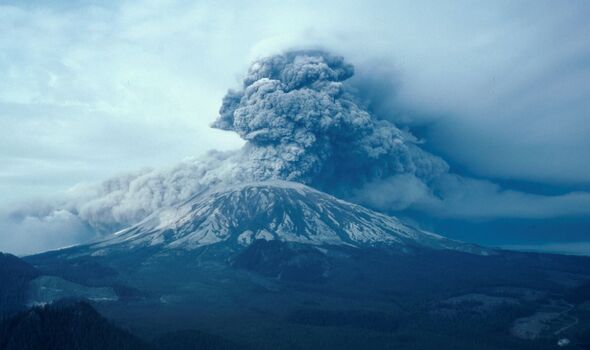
[[303, 123]]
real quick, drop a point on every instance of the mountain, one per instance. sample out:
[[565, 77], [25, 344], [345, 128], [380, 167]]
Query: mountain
[[276, 210]]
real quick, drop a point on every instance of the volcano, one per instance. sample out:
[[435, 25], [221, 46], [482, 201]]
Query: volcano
[[273, 210]]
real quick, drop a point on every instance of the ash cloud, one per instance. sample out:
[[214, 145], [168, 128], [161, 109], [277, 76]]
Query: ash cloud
[[304, 122], [124, 200]]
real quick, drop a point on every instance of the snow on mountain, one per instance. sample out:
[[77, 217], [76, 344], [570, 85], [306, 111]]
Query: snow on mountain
[[272, 210]]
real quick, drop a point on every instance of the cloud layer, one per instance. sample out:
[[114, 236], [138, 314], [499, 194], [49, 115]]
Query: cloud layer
[[455, 196]]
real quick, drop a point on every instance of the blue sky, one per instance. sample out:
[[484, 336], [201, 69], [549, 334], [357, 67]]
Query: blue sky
[[498, 89]]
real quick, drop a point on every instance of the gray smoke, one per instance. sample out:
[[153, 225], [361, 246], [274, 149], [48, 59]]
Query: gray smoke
[[304, 122], [124, 200]]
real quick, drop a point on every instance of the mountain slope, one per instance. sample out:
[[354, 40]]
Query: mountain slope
[[277, 210]]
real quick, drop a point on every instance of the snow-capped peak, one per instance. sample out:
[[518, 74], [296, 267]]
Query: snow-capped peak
[[273, 210]]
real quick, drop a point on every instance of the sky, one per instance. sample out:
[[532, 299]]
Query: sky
[[499, 90]]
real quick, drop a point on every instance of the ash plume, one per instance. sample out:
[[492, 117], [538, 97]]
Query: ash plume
[[303, 122]]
